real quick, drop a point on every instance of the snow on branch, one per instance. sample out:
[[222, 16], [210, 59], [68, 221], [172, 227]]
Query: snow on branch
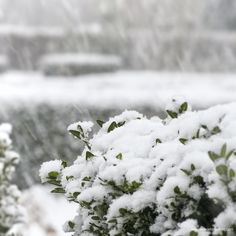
[[10, 211], [140, 176]]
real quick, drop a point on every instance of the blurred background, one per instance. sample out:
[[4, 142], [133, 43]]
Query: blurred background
[[67, 60]]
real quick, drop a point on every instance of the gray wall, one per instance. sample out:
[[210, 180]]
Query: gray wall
[[140, 49]]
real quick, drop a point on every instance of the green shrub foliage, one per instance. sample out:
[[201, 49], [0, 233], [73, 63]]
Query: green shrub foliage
[[140, 176]]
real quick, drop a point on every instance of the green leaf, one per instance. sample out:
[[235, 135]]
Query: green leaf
[[54, 182], [119, 156], [222, 169], [193, 233], [229, 154], [75, 133], [112, 221], [64, 164], [69, 177], [58, 190], [187, 172], [87, 178], [231, 173], [134, 186], [183, 107], [158, 141], [79, 128], [89, 155], [121, 123], [223, 150], [204, 127], [100, 123], [4, 229], [76, 194], [213, 155], [177, 190], [193, 167], [95, 218], [85, 204], [123, 211], [198, 133], [172, 114], [183, 140], [112, 126], [53, 175], [215, 130], [71, 224], [199, 180]]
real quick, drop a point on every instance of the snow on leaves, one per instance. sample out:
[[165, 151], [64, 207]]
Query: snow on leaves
[[10, 211], [140, 176]]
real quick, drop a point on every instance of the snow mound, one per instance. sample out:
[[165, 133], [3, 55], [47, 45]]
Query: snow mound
[[140, 176], [121, 90], [42, 220], [80, 59]]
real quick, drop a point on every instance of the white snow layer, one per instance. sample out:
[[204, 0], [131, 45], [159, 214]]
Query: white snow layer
[[118, 90], [44, 213], [80, 59], [150, 152]]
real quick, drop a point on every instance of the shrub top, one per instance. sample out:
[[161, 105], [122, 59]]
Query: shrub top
[[140, 176]]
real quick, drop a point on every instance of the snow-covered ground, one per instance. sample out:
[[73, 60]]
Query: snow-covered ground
[[124, 89], [45, 213]]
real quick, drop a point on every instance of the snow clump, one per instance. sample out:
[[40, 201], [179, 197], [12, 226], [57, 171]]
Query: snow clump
[[140, 176], [10, 211]]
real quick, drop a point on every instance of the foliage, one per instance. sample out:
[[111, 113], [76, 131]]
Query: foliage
[[10, 212], [140, 176]]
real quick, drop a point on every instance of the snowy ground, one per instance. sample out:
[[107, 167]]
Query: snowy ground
[[122, 90], [45, 213]]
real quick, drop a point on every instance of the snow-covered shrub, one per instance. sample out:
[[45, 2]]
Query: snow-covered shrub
[[140, 176], [10, 212]]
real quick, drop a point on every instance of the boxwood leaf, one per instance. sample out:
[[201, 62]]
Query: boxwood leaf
[[172, 114], [183, 107], [100, 123], [89, 155], [58, 190], [223, 150], [53, 175], [112, 126], [222, 169], [119, 156]]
